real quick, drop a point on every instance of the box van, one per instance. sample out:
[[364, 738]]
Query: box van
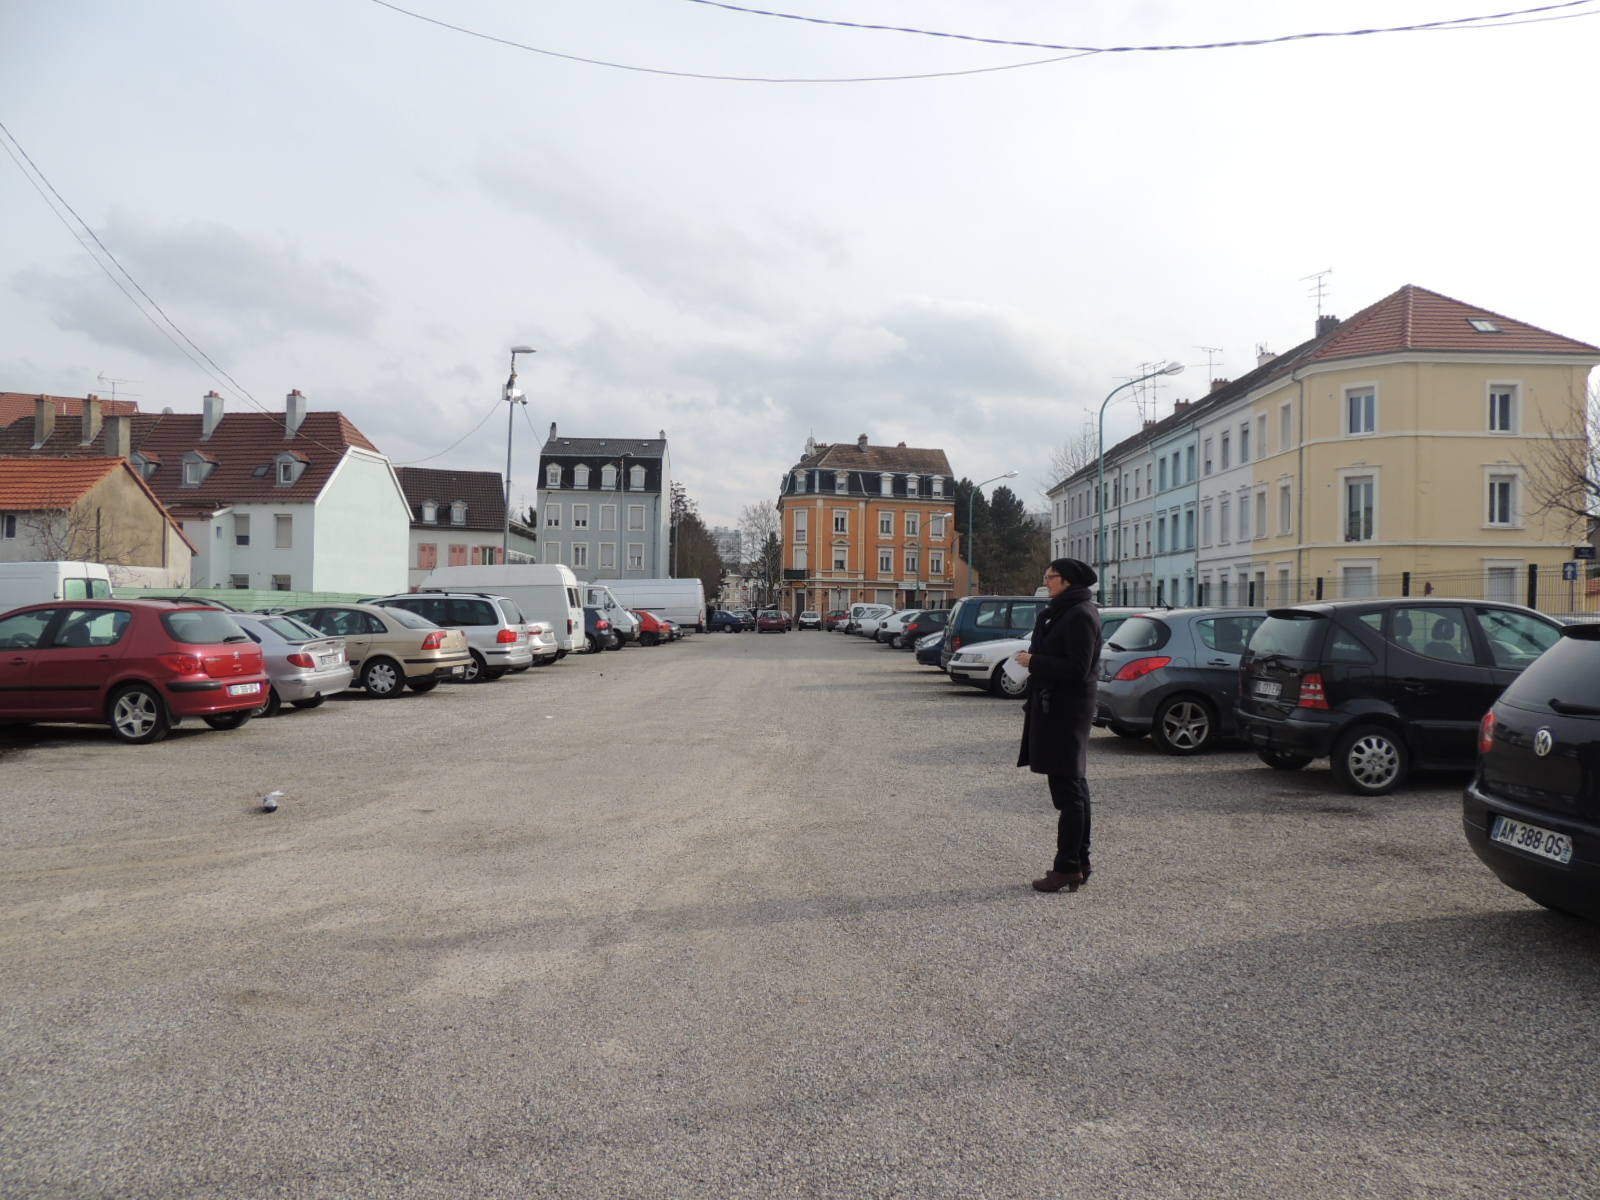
[[680, 600], [40, 582], [599, 596], [544, 592]]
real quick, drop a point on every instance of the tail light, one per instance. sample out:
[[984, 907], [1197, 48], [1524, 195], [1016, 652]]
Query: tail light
[[507, 635], [955, 643], [1140, 667], [183, 664], [602, 623], [434, 640], [1486, 733], [298, 659], [569, 624], [1312, 693]]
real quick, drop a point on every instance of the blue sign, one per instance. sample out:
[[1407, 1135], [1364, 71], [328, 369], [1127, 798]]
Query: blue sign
[[1569, 571]]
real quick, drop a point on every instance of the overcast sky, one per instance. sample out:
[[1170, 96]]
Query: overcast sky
[[331, 196]]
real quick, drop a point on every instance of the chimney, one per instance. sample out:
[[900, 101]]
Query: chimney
[[662, 435], [1182, 406], [1218, 384], [44, 421], [1326, 325], [1263, 355], [91, 420], [294, 414], [552, 431], [1151, 424], [211, 416], [119, 437], [900, 445], [861, 443]]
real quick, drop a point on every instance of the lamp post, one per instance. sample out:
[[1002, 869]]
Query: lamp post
[[928, 518], [970, 499], [622, 544], [513, 398], [1172, 368]]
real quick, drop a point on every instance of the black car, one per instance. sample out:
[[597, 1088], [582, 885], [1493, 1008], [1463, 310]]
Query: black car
[[920, 626], [731, 622], [598, 633], [1380, 686], [1532, 810]]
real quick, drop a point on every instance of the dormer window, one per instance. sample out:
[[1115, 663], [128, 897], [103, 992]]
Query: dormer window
[[911, 485], [290, 466], [937, 485], [458, 512], [608, 477], [841, 482], [886, 484], [430, 512], [552, 476], [580, 476], [636, 479], [143, 465], [196, 467], [799, 481]]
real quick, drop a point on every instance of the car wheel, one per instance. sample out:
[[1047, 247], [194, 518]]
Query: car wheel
[[1183, 725], [382, 678], [616, 641], [649, 639], [273, 705], [1370, 760], [476, 671], [1000, 684], [591, 643], [1283, 760], [1122, 731], [138, 715], [422, 685], [314, 702], [560, 654], [228, 720]]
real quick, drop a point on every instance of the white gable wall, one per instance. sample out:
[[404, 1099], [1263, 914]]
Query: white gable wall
[[362, 529]]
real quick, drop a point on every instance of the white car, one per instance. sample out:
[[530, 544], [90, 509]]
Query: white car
[[981, 663], [809, 619], [858, 612], [867, 624], [894, 625]]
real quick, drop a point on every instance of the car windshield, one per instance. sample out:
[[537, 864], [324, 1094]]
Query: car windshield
[[288, 629], [1140, 633], [1289, 634], [203, 627], [1568, 673], [409, 619]]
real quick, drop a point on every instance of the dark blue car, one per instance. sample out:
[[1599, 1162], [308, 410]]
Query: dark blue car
[[724, 620]]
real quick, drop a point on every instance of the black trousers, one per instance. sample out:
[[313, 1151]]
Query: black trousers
[[1071, 797]]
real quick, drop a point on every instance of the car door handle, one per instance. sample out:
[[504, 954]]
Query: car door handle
[[1219, 662], [19, 662], [1415, 686]]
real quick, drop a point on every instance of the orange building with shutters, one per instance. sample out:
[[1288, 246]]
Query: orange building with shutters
[[869, 523]]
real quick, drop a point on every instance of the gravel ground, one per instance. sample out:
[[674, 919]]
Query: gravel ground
[[748, 916]]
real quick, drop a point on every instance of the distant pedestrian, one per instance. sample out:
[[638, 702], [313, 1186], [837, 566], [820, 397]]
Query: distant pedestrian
[[1063, 661]]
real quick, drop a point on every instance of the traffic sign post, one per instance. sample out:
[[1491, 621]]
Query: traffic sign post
[[1569, 571]]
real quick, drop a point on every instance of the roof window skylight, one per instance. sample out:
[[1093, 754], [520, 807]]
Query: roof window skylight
[[1483, 325]]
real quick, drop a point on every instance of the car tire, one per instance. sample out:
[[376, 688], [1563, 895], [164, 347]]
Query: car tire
[[591, 643], [273, 706], [314, 702], [1284, 760], [138, 715], [422, 685], [560, 654], [1184, 725], [477, 671], [228, 720], [649, 639], [383, 678], [617, 641], [1370, 760], [1001, 685], [1122, 731]]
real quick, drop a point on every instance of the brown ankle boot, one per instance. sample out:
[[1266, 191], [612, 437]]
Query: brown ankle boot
[[1054, 881]]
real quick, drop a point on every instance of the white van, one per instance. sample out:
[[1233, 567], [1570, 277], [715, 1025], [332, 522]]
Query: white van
[[599, 595], [680, 600], [24, 583], [544, 592]]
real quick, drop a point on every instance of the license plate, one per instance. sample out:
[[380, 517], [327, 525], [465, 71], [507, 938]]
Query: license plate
[[328, 660], [243, 689], [1268, 687], [1554, 846]]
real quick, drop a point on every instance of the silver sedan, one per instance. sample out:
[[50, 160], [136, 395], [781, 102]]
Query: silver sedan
[[305, 667]]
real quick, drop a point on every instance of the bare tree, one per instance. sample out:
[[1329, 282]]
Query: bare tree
[[1070, 457], [761, 530], [83, 533], [1564, 474]]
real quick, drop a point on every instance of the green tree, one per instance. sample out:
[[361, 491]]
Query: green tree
[[694, 550], [1019, 546]]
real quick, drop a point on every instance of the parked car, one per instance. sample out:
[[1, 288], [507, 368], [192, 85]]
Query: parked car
[[727, 622], [391, 648], [1378, 686], [772, 620], [836, 620], [542, 642], [546, 592], [928, 649], [139, 666], [41, 582], [858, 612], [1532, 810], [989, 618], [982, 664], [652, 629], [303, 666], [497, 632], [889, 628], [932, 620], [1174, 674], [597, 632], [810, 620], [748, 616]]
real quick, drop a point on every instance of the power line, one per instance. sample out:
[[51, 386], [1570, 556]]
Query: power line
[[1452, 23], [492, 410]]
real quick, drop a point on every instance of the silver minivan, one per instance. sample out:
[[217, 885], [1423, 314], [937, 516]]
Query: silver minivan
[[497, 632]]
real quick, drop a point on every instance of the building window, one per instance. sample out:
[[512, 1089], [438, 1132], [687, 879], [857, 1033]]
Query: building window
[[936, 525], [885, 562], [1224, 532], [1162, 477], [911, 485], [1361, 410], [841, 521], [284, 523], [1226, 456], [800, 555], [241, 529], [1206, 462], [458, 512], [608, 556], [1205, 525], [1244, 442], [635, 516], [608, 477], [1502, 408], [458, 556], [552, 552], [937, 485], [580, 554], [1161, 535], [430, 512], [936, 562], [239, 582], [839, 563], [427, 556], [1188, 457], [580, 516], [1261, 513], [1358, 522], [801, 525], [285, 472], [1188, 529], [280, 583], [1261, 436], [8, 526], [1285, 508], [911, 563], [1502, 493], [580, 476], [608, 517], [193, 472], [912, 524], [636, 479], [552, 516], [1285, 427], [552, 476], [635, 556], [886, 524], [841, 482]]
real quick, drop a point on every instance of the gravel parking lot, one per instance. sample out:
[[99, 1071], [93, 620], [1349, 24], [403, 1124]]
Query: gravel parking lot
[[749, 916]]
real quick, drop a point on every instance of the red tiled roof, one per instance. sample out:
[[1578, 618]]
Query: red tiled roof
[[482, 490], [849, 456], [1414, 318], [15, 406], [240, 445], [37, 485]]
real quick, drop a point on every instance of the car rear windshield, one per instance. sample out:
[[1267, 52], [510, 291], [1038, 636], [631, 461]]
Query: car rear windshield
[[1293, 635], [1140, 633], [1568, 672], [512, 612], [409, 619], [202, 627], [290, 630]]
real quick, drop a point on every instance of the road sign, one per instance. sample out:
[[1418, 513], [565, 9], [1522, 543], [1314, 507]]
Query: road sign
[[1569, 571], [1583, 552]]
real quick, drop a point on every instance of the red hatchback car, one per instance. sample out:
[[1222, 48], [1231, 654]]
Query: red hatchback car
[[140, 666]]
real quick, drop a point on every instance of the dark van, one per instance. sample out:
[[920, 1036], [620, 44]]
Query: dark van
[[986, 618]]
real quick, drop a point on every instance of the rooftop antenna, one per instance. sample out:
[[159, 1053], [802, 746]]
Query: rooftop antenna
[[1319, 286], [107, 381], [1211, 353]]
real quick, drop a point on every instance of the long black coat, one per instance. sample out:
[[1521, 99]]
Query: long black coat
[[1064, 676]]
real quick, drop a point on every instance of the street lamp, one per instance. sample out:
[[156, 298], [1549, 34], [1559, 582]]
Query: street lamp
[[622, 542], [928, 519], [1172, 368], [513, 397], [970, 498]]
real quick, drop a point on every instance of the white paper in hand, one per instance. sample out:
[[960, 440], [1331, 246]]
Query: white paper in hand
[[1015, 671]]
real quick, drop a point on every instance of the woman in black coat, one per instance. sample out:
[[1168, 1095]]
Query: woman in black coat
[[1063, 662]]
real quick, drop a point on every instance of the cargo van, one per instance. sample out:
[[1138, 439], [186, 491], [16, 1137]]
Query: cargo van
[[680, 600], [600, 596], [545, 592], [40, 582]]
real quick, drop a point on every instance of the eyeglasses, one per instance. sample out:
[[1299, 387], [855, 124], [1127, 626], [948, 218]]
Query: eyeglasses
[[1049, 575]]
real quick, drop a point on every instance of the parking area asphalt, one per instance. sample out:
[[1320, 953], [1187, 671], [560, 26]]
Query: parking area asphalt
[[749, 916]]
